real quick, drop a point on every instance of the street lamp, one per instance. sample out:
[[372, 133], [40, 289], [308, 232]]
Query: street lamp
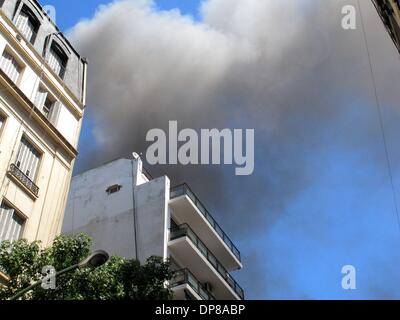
[[94, 260]]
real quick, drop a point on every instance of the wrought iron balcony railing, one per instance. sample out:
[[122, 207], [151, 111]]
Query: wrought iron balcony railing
[[185, 231], [184, 276], [21, 177], [185, 190]]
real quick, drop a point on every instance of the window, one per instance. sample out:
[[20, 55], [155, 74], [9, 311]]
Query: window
[[27, 159], [57, 60], [10, 66], [44, 102], [10, 223], [113, 189], [27, 24], [1, 122]]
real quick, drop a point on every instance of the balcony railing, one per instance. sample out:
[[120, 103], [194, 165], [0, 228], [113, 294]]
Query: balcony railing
[[21, 177], [185, 231], [184, 276], [185, 190]]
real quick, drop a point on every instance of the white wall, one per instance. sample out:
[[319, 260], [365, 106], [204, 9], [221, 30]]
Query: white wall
[[110, 219], [106, 218], [67, 124], [152, 211]]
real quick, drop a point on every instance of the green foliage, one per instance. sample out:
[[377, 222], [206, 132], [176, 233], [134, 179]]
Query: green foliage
[[119, 278]]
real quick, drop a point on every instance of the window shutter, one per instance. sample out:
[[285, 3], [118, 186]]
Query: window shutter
[[10, 66], [54, 112], [55, 62], [28, 159], [24, 24], [40, 98], [10, 224]]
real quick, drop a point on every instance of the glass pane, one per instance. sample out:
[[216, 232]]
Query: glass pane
[[219, 231], [202, 248], [192, 281], [201, 209], [212, 260], [191, 195]]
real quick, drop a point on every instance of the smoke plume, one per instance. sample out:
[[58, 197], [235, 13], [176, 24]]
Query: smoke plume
[[289, 70]]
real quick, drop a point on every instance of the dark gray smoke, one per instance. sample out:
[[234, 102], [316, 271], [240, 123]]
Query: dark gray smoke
[[285, 68]]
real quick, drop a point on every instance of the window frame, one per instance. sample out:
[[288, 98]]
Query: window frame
[[18, 60], [32, 18], [38, 150], [5, 117], [55, 48], [51, 96], [19, 214]]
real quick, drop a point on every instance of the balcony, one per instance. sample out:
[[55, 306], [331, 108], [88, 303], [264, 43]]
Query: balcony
[[187, 208], [23, 180], [193, 253], [184, 281]]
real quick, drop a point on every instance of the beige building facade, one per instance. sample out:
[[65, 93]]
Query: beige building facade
[[42, 100]]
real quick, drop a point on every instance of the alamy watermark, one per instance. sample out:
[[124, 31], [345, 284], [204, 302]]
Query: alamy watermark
[[349, 20], [238, 147], [349, 278], [49, 279]]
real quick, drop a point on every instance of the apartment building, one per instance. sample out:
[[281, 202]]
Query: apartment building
[[389, 11], [128, 213], [42, 100]]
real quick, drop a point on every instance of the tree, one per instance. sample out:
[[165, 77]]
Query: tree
[[119, 278]]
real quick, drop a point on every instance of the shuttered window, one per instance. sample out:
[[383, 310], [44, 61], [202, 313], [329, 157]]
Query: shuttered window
[[48, 107], [28, 159], [25, 26], [44, 102], [10, 223], [41, 97], [56, 62], [10, 66]]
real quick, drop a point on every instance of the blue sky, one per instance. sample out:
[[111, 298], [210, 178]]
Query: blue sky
[[71, 11], [329, 200]]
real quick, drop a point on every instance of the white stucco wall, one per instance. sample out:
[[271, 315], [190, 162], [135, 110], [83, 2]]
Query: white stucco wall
[[152, 212], [110, 219]]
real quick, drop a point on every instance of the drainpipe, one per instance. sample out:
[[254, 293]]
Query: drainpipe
[[136, 169]]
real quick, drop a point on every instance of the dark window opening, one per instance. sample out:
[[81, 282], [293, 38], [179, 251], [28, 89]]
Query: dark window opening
[[28, 24], [113, 189], [57, 60]]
